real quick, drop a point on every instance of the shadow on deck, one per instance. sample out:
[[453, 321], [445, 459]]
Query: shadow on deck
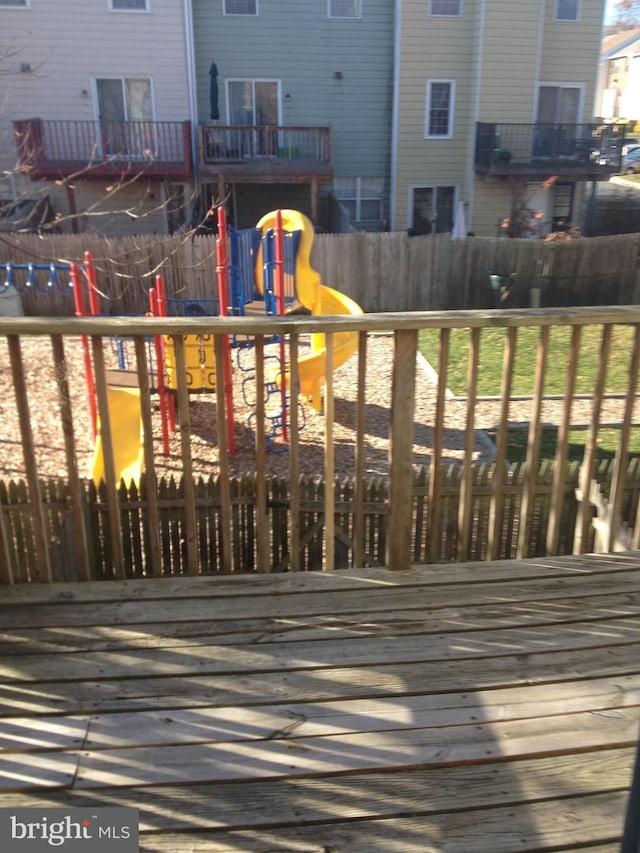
[[486, 707]]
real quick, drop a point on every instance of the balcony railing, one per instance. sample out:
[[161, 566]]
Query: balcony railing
[[506, 516], [265, 149], [97, 149], [578, 150]]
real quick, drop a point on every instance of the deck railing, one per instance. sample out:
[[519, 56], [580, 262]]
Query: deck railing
[[552, 148], [411, 513], [62, 146], [229, 144]]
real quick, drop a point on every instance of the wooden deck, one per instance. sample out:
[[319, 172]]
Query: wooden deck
[[470, 707]]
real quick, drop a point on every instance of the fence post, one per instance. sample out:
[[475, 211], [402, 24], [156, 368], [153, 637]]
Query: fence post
[[398, 555]]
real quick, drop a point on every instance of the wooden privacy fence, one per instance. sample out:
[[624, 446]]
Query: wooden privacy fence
[[381, 272], [440, 513], [443, 542]]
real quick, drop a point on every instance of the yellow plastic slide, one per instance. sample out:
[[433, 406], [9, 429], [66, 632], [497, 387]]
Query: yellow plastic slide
[[126, 430], [318, 299]]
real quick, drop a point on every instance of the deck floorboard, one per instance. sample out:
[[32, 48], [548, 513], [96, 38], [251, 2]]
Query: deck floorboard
[[477, 707]]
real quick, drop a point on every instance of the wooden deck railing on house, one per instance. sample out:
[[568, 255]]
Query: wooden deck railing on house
[[234, 143], [411, 510], [53, 148]]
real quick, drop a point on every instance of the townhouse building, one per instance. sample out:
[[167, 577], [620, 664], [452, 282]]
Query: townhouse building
[[95, 101], [294, 106], [618, 88], [417, 115], [494, 104]]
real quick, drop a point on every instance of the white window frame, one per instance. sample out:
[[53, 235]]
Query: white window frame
[[151, 122], [114, 8], [558, 9], [225, 11], [434, 188], [451, 110], [358, 14], [15, 4], [359, 196], [445, 14], [555, 85]]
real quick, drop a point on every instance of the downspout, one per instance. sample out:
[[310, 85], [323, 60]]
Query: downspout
[[191, 78], [395, 111], [543, 13], [475, 114]]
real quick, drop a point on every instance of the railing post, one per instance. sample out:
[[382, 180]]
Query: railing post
[[496, 507], [40, 534], [558, 488], [106, 435], [401, 450]]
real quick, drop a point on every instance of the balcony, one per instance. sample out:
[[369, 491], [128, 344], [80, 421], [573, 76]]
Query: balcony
[[579, 151], [265, 154], [54, 149]]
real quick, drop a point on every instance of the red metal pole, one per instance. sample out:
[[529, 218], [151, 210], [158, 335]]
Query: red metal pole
[[92, 284], [161, 298], [160, 372], [81, 311], [279, 288], [222, 273]]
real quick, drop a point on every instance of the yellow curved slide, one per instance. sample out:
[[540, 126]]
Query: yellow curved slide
[[126, 431], [319, 299]]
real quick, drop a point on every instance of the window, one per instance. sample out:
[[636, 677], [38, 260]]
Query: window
[[567, 10], [124, 106], [451, 8], [432, 210], [129, 5], [562, 205], [559, 104], [345, 8], [240, 7], [16, 3], [256, 105], [361, 197], [439, 110]]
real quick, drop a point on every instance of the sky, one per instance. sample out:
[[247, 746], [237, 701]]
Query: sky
[[609, 11]]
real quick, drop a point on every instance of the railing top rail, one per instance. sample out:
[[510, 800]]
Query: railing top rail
[[93, 121], [283, 127], [613, 129], [393, 321]]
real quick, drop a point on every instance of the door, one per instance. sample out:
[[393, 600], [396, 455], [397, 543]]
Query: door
[[255, 104], [432, 210], [559, 109], [559, 104], [125, 111]]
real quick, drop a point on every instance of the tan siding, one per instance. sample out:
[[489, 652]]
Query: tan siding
[[432, 49], [570, 51], [492, 205], [501, 52], [509, 61]]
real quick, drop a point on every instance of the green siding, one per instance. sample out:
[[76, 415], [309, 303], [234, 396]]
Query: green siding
[[297, 44]]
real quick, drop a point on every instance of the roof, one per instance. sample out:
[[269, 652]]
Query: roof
[[615, 44]]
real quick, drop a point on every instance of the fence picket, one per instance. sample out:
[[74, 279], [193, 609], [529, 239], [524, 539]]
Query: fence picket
[[381, 272]]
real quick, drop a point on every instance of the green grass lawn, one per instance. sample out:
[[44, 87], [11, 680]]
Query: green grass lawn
[[607, 443], [492, 343]]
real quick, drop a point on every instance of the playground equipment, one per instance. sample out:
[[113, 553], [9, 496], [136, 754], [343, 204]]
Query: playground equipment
[[126, 423], [270, 263], [318, 299]]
